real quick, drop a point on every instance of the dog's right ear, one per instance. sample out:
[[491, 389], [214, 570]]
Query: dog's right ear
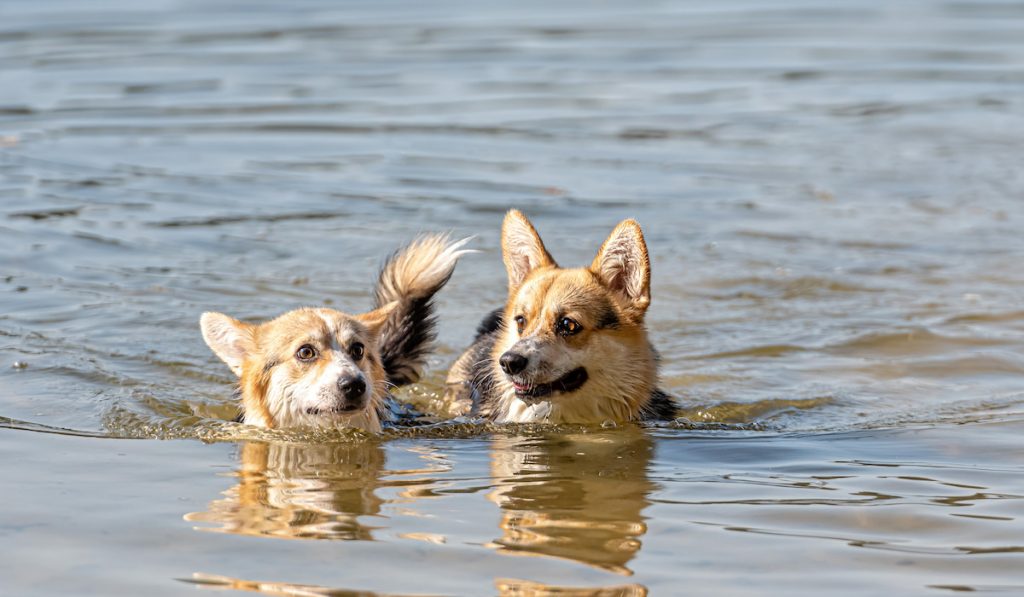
[[228, 338], [521, 248], [623, 265]]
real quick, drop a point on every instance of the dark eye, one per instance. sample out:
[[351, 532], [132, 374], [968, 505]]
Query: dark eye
[[520, 323], [305, 353], [568, 327], [357, 350]]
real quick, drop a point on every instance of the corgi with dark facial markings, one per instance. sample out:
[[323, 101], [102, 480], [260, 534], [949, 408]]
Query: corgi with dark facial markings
[[324, 368], [570, 345]]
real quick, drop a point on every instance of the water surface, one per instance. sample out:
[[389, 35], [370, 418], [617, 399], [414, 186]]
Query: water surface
[[831, 197]]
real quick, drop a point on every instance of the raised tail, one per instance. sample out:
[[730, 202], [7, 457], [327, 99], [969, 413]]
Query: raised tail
[[411, 277]]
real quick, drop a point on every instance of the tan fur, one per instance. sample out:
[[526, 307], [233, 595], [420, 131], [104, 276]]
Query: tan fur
[[625, 267], [620, 363], [279, 389], [521, 249], [609, 299], [419, 267], [271, 375]]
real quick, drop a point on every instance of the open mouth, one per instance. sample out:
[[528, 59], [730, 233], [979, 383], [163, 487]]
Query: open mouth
[[570, 382]]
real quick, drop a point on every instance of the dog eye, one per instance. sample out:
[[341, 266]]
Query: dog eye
[[520, 323], [357, 350], [568, 327], [305, 353]]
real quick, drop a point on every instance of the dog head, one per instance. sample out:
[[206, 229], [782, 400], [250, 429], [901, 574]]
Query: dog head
[[573, 347], [308, 367]]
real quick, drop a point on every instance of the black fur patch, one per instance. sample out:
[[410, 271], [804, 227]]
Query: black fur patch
[[406, 336], [608, 320], [405, 339], [482, 375], [661, 407], [492, 322], [270, 365]]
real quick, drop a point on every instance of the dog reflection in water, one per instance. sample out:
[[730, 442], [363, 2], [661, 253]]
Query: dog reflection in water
[[578, 497], [505, 588], [300, 491]]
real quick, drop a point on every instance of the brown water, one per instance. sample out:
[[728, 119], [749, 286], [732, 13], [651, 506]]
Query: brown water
[[832, 197]]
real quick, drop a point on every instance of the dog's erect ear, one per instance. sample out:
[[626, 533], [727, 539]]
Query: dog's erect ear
[[623, 264], [521, 248], [375, 320], [228, 338]]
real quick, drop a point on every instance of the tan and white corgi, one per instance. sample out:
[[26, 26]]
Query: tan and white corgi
[[320, 367], [570, 345]]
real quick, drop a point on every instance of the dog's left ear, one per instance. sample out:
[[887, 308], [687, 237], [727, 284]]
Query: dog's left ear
[[228, 338], [521, 248], [623, 265], [375, 320]]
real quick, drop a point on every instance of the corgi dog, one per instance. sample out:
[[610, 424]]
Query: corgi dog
[[570, 345], [318, 367]]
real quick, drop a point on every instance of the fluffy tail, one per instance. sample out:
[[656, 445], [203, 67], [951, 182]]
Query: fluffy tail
[[411, 276]]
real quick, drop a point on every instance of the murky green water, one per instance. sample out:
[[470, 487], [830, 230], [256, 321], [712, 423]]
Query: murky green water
[[832, 197]]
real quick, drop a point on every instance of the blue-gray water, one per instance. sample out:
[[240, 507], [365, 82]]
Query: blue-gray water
[[832, 197]]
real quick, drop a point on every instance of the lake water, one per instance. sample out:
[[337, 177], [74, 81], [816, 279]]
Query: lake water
[[833, 198]]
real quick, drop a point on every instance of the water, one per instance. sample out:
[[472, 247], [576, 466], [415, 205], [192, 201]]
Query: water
[[832, 200]]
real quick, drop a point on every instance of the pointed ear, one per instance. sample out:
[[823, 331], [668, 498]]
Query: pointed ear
[[228, 338], [623, 265], [375, 320], [521, 248]]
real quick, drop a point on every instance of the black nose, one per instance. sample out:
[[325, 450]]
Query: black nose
[[352, 387], [513, 363]]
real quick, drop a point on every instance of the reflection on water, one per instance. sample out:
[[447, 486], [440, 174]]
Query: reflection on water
[[213, 581], [300, 491], [579, 497], [523, 588], [505, 588]]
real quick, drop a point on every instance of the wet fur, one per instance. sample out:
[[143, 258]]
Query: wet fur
[[609, 299], [278, 390]]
